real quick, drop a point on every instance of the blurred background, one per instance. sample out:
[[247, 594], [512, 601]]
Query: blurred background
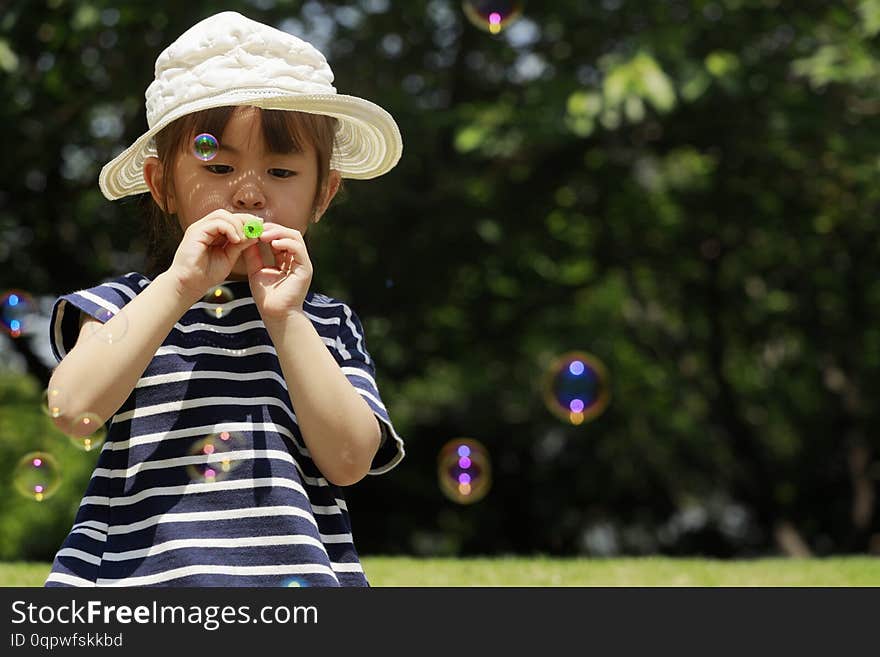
[[622, 290]]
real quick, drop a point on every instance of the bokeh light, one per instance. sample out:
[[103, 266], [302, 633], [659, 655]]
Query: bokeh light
[[492, 16], [576, 387], [464, 471], [36, 476]]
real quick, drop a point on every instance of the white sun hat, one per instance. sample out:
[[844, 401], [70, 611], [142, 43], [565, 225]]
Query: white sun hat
[[228, 59]]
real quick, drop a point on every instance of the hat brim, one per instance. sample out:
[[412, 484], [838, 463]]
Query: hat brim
[[367, 144]]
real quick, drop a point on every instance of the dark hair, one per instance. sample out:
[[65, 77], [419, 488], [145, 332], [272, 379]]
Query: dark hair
[[283, 132]]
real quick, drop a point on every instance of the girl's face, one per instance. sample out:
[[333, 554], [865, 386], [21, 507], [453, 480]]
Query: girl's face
[[246, 177]]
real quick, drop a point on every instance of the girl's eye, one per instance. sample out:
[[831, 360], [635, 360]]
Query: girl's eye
[[218, 168], [282, 173]]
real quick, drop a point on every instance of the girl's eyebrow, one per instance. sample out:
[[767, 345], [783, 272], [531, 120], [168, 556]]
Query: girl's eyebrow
[[234, 151]]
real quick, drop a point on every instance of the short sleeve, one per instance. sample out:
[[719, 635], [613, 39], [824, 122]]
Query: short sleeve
[[358, 367], [101, 302]]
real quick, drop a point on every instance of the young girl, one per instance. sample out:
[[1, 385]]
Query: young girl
[[233, 426]]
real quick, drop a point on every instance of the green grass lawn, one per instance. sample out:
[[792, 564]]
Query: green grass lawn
[[546, 571]]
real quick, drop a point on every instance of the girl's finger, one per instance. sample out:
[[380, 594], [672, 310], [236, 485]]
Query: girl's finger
[[253, 261], [214, 228], [274, 231]]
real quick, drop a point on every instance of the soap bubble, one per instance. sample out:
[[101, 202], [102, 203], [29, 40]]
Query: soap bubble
[[215, 460], [205, 146], [87, 432], [464, 471], [217, 301], [491, 15], [112, 333], [36, 476], [576, 387], [295, 582], [53, 402], [15, 310]]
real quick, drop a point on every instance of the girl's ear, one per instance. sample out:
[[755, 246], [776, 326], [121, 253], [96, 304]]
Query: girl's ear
[[154, 177], [332, 186]]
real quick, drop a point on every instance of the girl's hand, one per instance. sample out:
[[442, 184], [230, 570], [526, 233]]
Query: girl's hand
[[279, 289], [208, 251]]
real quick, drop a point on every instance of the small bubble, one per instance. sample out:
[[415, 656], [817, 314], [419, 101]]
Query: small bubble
[[16, 308], [205, 146], [295, 582], [36, 476], [88, 432], [213, 456], [492, 16], [53, 402], [464, 471], [216, 301], [110, 332]]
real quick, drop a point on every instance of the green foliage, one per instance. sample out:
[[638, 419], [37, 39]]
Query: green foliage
[[27, 527]]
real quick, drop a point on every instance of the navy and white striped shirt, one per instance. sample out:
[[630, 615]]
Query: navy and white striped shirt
[[273, 519]]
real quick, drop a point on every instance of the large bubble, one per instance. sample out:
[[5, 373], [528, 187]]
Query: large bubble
[[576, 387]]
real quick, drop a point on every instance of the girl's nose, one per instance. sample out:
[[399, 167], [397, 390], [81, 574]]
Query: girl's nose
[[248, 196]]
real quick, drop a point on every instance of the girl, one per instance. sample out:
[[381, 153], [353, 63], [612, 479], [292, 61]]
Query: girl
[[233, 426]]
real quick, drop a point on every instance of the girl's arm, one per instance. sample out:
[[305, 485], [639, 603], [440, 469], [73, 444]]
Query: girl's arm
[[97, 376], [337, 425]]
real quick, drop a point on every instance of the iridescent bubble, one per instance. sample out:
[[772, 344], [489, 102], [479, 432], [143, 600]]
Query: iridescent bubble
[[53, 402], [491, 15], [107, 332], [205, 146], [576, 387], [16, 308], [217, 301], [214, 458], [36, 476], [464, 471], [87, 432]]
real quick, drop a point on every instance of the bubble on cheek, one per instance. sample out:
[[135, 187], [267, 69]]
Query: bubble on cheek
[[206, 146]]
